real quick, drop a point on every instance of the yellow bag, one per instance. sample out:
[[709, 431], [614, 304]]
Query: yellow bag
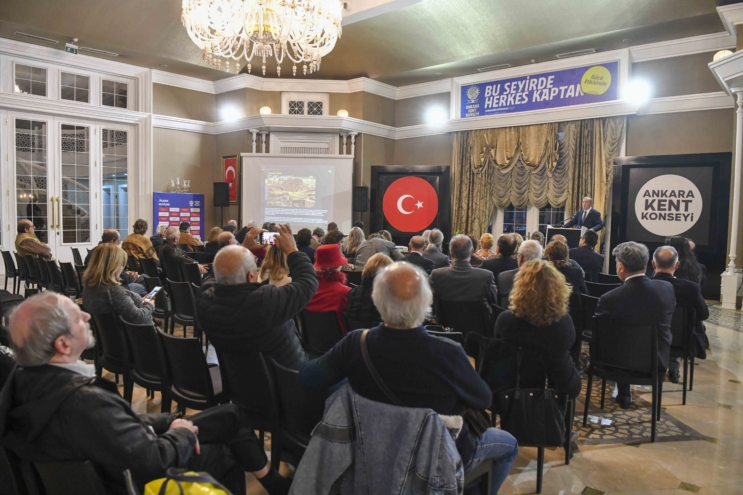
[[180, 482]]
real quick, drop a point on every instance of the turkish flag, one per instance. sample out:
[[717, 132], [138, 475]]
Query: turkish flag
[[410, 204], [230, 176]]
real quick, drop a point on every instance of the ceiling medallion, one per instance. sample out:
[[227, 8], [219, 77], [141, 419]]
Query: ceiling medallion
[[304, 31]]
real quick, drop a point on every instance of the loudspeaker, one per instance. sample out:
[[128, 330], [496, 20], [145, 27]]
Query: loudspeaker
[[360, 198], [221, 194]]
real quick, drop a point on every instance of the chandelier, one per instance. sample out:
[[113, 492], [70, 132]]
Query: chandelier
[[303, 31]]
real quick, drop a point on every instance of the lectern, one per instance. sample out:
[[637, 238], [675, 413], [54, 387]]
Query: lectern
[[572, 235]]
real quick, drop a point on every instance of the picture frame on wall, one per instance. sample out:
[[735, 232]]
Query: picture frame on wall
[[230, 174]]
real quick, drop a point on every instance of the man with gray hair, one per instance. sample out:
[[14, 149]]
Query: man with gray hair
[[639, 301], [433, 249], [461, 281], [588, 217], [529, 250], [420, 370], [171, 255], [53, 408], [689, 295]]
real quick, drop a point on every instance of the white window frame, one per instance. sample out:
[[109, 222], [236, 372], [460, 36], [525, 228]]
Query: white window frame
[[532, 220], [91, 85], [35, 66], [286, 97], [130, 90]]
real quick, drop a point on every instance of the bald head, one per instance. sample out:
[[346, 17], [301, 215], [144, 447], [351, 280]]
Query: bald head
[[460, 248], [234, 265], [172, 234], [417, 243], [24, 225], [559, 237], [226, 239], [402, 295], [110, 235], [666, 259]]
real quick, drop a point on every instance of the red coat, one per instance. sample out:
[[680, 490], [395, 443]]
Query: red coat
[[330, 296]]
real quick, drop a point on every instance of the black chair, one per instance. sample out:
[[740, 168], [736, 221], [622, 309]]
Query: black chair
[[10, 271], [161, 311], [457, 337], [149, 267], [147, 360], [71, 286], [598, 290], [183, 305], [131, 488], [43, 272], [32, 273], [464, 316], [80, 270], [483, 473], [198, 249], [132, 264], [193, 382], [55, 276], [190, 273], [682, 329], [114, 349], [628, 355], [503, 299], [606, 278], [353, 278], [22, 272], [76, 256], [321, 331], [17, 476], [584, 324], [69, 478], [354, 324]]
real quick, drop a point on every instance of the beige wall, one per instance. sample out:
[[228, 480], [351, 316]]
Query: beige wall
[[429, 150], [412, 111], [680, 133], [678, 75], [183, 103], [351, 102], [378, 109]]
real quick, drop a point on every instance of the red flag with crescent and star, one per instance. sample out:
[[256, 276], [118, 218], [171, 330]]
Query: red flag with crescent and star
[[410, 204], [230, 176]]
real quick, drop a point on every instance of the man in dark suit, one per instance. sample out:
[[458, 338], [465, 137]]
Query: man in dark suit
[[585, 255], [462, 282], [171, 255], [529, 250], [639, 301], [688, 294], [433, 250], [505, 246], [588, 217], [415, 257]]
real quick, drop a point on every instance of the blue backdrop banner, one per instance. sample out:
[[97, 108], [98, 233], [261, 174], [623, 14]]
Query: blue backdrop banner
[[562, 88], [173, 208]]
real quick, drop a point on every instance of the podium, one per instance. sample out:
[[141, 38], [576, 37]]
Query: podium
[[572, 235]]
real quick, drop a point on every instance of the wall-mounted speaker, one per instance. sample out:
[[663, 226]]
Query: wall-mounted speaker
[[360, 198], [221, 194]]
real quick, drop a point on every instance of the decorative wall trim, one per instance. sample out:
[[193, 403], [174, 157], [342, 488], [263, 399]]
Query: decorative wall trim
[[689, 103], [22, 103], [681, 47], [185, 82], [360, 10]]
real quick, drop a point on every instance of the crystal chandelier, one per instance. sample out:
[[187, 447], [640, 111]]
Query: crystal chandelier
[[304, 31]]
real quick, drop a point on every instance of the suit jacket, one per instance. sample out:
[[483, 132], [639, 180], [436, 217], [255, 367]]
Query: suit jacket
[[499, 265], [574, 277], [689, 294], [462, 282], [588, 259], [593, 220], [505, 281], [417, 259], [170, 256], [643, 301], [440, 260]]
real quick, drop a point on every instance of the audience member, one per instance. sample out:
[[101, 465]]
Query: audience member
[[272, 227], [352, 242], [519, 241], [242, 317], [504, 249], [186, 240], [425, 235], [240, 235], [171, 255], [225, 239], [421, 370], [433, 249], [538, 319], [385, 234], [229, 228], [360, 305], [304, 239], [102, 290], [332, 226], [537, 236], [250, 243], [336, 237], [212, 241], [61, 412], [158, 239], [332, 291], [27, 244], [317, 237], [486, 248], [586, 256], [573, 263], [372, 246], [639, 301], [136, 244], [529, 250], [688, 267], [689, 295], [131, 280], [557, 254], [275, 269], [462, 282], [415, 255], [474, 260], [702, 267]]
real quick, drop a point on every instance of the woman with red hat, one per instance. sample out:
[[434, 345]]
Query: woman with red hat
[[332, 293]]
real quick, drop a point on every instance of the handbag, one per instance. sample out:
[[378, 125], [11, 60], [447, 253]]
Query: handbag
[[179, 482], [534, 416]]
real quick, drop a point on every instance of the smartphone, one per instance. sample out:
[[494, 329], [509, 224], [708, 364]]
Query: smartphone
[[151, 295], [268, 238]]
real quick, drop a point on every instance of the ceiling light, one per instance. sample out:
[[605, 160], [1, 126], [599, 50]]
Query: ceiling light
[[494, 67], [304, 31], [97, 51], [637, 91], [230, 113], [265, 110], [38, 38], [342, 113], [721, 54], [578, 53], [436, 116]]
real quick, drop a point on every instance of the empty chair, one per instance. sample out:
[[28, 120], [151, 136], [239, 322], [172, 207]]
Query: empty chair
[[353, 278], [80, 270], [56, 283], [193, 383], [69, 478], [183, 306], [149, 267], [76, 256], [69, 278], [463, 316], [628, 355], [190, 273], [8, 301], [114, 349], [10, 271], [682, 330], [132, 264], [42, 271], [598, 290], [161, 311], [606, 278], [321, 331], [32, 272], [147, 360], [22, 272], [585, 324]]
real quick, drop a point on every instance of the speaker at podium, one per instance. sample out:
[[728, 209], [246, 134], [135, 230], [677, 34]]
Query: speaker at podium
[[572, 235]]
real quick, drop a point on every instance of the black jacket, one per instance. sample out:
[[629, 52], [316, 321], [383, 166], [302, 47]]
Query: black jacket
[[170, 256], [157, 242], [440, 260], [591, 261], [689, 294], [360, 306], [310, 252], [417, 259], [462, 282], [243, 320], [574, 277], [48, 413], [593, 220], [499, 265]]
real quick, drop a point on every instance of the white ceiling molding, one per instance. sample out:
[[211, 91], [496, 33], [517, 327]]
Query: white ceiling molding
[[685, 46], [729, 71], [185, 82], [22, 103], [361, 10], [731, 15], [689, 103]]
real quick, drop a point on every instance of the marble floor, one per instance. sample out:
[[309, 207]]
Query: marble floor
[[699, 448]]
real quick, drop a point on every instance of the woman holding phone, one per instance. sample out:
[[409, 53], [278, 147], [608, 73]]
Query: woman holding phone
[[103, 292]]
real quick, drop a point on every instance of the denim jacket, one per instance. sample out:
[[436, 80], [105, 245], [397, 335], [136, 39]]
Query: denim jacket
[[366, 447]]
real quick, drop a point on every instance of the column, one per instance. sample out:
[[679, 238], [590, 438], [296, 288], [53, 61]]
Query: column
[[353, 143], [263, 142], [255, 135], [345, 137], [729, 288]]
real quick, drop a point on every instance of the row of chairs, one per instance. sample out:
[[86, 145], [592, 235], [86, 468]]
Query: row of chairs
[[38, 274]]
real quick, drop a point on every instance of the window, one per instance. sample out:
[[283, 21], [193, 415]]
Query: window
[[31, 174], [114, 94], [549, 215], [75, 88], [115, 187], [314, 108], [75, 200], [296, 108], [30, 80], [514, 220], [301, 103]]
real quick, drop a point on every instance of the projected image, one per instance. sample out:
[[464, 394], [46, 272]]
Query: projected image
[[290, 191]]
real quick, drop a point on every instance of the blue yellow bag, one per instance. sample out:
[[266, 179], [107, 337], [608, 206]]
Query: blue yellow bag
[[180, 482]]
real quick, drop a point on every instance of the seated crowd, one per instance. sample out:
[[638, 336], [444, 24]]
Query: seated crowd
[[250, 306]]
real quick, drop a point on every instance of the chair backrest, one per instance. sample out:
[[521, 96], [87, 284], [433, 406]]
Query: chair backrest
[[76, 256], [190, 273], [149, 267], [112, 340], [80, 270], [161, 299], [21, 266], [55, 276], [32, 270], [42, 270], [503, 299], [132, 264], [69, 278], [353, 278], [588, 309], [623, 347], [147, 358], [598, 290], [187, 369], [10, 269], [457, 337], [463, 316], [245, 381], [198, 249], [606, 278], [299, 409], [682, 327], [70, 477], [182, 299], [321, 330], [354, 324]]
